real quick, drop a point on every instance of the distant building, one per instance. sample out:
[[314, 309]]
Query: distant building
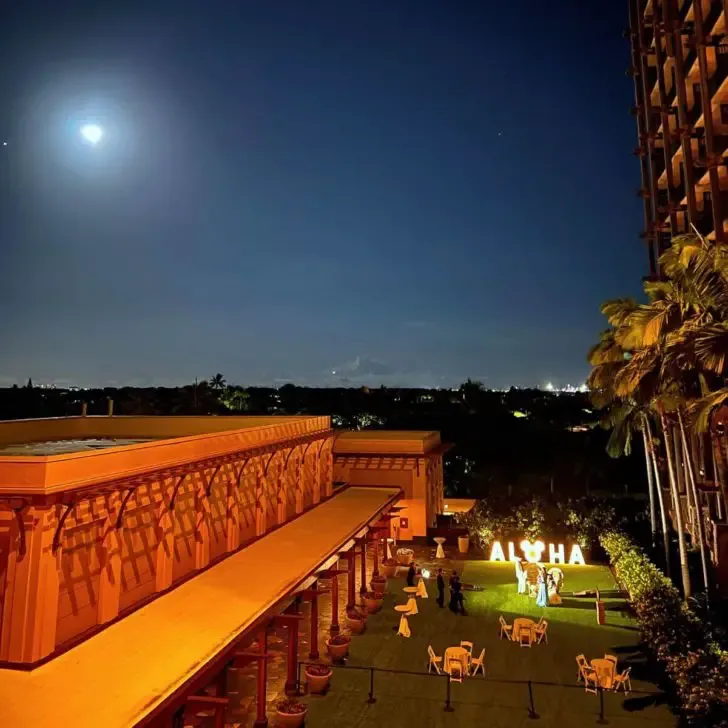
[[680, 70]]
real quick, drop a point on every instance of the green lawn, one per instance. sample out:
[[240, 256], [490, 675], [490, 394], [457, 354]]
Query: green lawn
[[502, 698]]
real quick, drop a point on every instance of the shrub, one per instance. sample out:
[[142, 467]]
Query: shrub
[[379, 578], [679, 640], [355, 613], [390, 562], [318, 670], [340, 639], [290, 706]]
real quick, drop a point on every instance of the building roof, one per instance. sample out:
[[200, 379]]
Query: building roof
[[161, 443], [138, 665], [383, 442]]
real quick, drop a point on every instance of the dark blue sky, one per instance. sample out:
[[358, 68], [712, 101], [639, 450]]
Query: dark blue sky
[[398, 192]]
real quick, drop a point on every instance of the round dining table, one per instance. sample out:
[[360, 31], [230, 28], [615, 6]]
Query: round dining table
[[404, 628], [460, 654], [605, 672], [520, 623], [440, 553], [411, 592]]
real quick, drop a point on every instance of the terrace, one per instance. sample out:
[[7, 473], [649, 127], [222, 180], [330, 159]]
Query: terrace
[[502, 697]]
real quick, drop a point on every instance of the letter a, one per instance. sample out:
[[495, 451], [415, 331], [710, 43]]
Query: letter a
[[556, 556], [496, 552], [576, 556]]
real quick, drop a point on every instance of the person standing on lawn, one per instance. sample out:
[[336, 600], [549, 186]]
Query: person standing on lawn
[[440, 589]]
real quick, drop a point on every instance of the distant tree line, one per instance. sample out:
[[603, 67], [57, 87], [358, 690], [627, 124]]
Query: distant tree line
[[518, 441]]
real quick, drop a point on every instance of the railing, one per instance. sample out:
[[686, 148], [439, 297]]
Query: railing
[[443, 679]]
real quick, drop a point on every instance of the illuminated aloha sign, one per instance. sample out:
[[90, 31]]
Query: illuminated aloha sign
[[534, 551]]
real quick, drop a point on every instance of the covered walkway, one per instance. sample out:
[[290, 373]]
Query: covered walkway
[[150, 660]]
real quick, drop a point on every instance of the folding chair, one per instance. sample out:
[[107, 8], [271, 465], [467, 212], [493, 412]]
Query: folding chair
[[525, 637], [542, 632], [505, 628], [478, 663], [582, 665], [591, 680], [611, 658], [434, 660], [456, 671], [623, 681]]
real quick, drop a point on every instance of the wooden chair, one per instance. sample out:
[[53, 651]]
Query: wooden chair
[[478, 663], [468, 646], [505, 628], [542, 631], [591, 680], [456, 671], [582, 665], [613, 659], [623, 680], [525, 637], [434, 660]]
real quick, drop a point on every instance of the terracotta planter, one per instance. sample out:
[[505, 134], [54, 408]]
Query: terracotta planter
[[379, 587], [388, 570], [356, 626], [291, 720], [373, 605], [317, 683], [405, 556], [463, 544], [338, 652]]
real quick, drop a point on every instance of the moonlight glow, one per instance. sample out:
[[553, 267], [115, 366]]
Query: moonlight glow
[[92, 133]]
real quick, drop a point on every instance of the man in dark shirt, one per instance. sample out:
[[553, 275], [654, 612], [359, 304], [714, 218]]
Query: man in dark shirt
[[411, 573], [440, 589]]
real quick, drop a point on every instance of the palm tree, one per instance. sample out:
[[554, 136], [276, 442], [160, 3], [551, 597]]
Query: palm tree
[[608, 358], [217, 382]]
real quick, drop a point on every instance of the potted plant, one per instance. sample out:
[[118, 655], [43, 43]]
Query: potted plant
[[338, 646], [373, 601], [405, 556], [317, 677], [291, 712], [389, 567], [379, 584], [355, 620]]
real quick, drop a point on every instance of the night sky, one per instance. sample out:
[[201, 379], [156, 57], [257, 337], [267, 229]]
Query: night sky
[[367, 192]]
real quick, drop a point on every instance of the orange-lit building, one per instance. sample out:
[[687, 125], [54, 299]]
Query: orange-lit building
[[120, 536], [406, 459], [680, 69]]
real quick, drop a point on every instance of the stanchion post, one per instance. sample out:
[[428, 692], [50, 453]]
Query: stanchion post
[[371, 699], [448, 706], [601, 720], [531, 707]]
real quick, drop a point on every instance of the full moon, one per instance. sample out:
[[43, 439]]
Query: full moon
[[92, 133]]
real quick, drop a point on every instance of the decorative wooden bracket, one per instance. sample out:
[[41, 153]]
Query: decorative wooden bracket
[[211, 481], [125, 499], [267, 465], [18, 506], [173, 499], [59, 528]]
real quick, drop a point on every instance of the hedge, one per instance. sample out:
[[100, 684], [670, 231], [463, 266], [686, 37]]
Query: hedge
[[695, 663]]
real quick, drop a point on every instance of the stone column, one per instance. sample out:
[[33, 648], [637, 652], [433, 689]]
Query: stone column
[[261, 721], [314, 653], [351, 577], [292, 674], [363, 585], [335, 629]]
